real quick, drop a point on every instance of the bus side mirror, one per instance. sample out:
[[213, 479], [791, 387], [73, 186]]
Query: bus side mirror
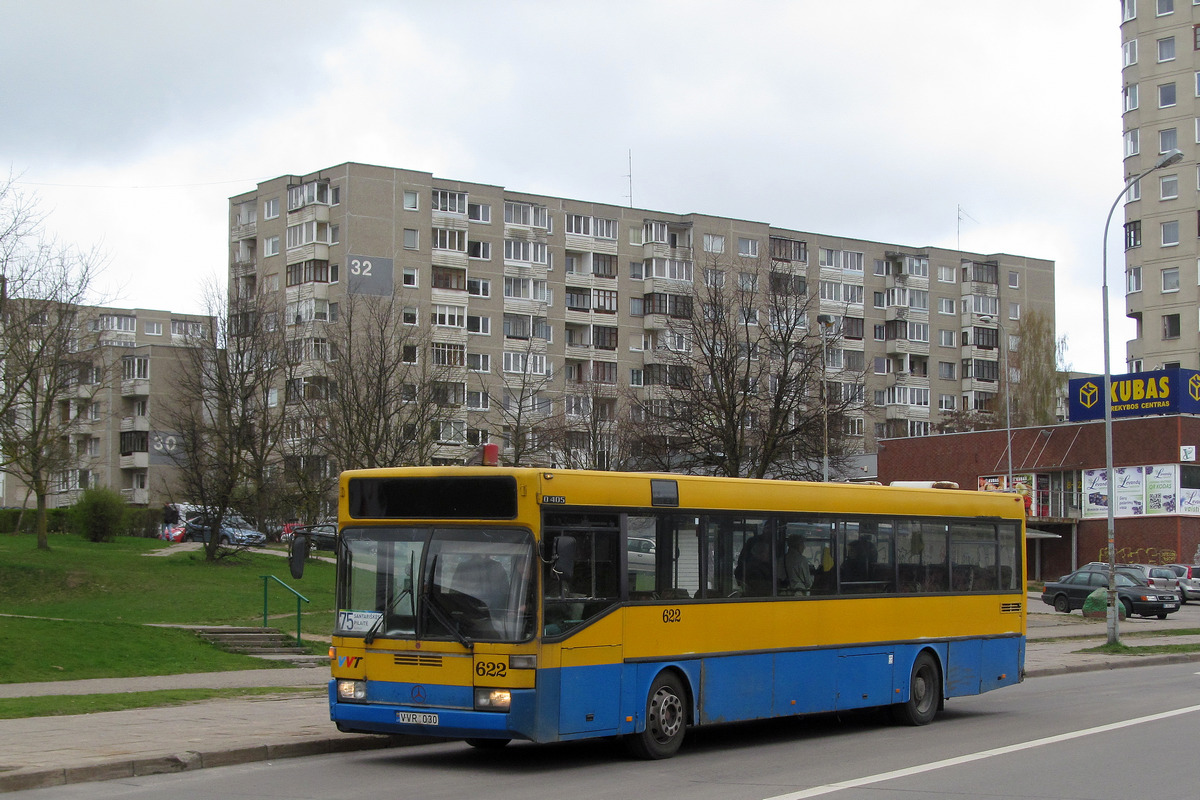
[[564, 555], [297, 554]]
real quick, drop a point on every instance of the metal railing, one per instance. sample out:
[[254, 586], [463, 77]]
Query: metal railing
[[299, 597]]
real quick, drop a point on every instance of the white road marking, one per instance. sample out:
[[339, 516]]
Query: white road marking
[[830, 788]]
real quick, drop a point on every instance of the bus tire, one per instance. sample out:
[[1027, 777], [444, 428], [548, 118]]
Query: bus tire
[[666, 719], [488, 744], [924, 693]]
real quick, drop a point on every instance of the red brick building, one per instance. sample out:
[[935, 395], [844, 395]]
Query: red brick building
[[1062, 469]]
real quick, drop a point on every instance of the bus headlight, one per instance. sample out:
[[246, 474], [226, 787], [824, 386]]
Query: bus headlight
[[487, 699], [352, 690]]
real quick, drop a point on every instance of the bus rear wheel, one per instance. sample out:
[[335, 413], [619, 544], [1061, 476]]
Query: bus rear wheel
[[924, 693], [488, 744], [666, 720]]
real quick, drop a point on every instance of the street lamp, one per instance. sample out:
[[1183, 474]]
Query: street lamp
[[1008, 486], [826, 322], [1165, 160]]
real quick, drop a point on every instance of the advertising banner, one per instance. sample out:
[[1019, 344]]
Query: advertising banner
[[1137, 394]]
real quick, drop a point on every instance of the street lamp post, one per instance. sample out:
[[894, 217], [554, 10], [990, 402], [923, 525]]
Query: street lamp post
[[1008, 485], [1165, 160], [826, 322]]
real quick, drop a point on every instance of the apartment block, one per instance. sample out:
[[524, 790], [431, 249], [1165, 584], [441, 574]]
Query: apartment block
[[1159, 95], [115, 416], [585, 291]]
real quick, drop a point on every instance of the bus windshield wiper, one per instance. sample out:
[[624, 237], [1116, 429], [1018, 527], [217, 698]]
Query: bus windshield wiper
[[370, 637], [435, 606]]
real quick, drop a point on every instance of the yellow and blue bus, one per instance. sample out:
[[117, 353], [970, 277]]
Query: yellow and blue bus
[[492, 604]]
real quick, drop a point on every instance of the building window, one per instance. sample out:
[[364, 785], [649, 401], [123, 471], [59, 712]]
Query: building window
[[479, 287], [271, 246], [1014, 312], [714, 243], [946, 370], [271, 208], [479, 324], [1170, 233], [1128, 10], [1165, 7], [1167, 140], [412, 239], [946, 338], [449, 239], [1132, 145], [946, 402], [411, 201], [1170, 280], [1170, 326], [481, 251], [1166, 49], [1166, 95], [1133, 279], [1168, 187], [1133, 234], [1129, 50], [409, 278], [449, 202], [747, 248], [479, 212], [946, 273], [1129, 96], [153, 328]]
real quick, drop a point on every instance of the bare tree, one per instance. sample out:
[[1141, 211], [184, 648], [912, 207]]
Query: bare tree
[[385, 389], [737, 386], [593, 430], [50, 374], [521, 401], [225, 416]]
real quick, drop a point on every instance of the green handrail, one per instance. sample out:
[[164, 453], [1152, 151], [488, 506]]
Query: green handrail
[[299, 597]]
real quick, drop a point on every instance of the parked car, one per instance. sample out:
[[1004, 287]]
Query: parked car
[[322, 536], [641, 554], [1189, 581], [1069, 592], [1132, 571], [235, 531]]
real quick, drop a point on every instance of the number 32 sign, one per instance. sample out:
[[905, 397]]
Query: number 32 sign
[[370, 275]]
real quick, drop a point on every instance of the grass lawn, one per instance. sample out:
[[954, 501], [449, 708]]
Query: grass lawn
[[87, 610], [63, 705]]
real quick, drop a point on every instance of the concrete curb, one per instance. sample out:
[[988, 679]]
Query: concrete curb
[[19, 780], [1114, 662]]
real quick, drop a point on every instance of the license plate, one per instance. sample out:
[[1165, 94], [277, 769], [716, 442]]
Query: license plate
[[415, 718], [1170, 606]]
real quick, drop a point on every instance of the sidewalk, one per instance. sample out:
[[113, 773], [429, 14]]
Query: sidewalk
[[52, 751]]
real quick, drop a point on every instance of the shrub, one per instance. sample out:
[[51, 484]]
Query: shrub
[[99, 515]]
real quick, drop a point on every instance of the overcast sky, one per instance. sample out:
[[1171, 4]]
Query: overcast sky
[[878, 119]]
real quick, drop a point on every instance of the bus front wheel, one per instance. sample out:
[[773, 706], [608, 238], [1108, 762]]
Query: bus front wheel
[[924, 693], [666, 720]]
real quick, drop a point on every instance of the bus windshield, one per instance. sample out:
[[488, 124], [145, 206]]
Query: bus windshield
[[463, 584]]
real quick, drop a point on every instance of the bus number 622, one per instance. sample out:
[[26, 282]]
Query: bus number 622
[[672, 615]]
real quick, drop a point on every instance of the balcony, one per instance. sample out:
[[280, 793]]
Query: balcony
[[135, 423], [138, 387], [243, 230], [136, 497], [135, 461]]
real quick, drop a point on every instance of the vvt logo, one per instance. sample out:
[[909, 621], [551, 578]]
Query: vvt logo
[[349, 661]]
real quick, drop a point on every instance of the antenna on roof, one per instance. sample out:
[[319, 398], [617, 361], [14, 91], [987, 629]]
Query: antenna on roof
[[630, 176], [958, 231]]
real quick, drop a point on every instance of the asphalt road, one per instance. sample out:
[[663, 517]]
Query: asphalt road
[[1094, 735]]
